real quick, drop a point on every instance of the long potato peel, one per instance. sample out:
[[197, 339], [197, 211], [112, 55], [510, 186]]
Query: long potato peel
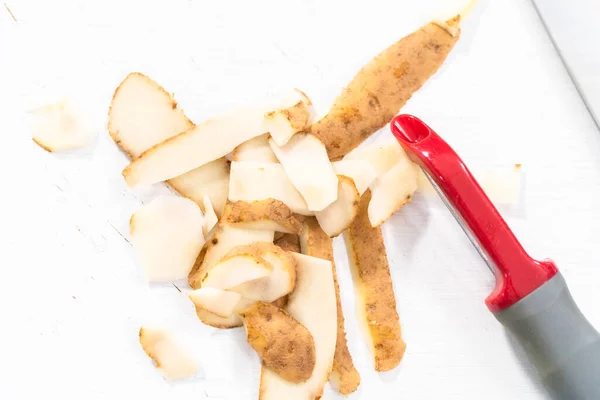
[[374, 290], [313, 305], [382, 87], [316, 243]]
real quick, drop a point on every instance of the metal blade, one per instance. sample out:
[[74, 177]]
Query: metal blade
[[462, 224]]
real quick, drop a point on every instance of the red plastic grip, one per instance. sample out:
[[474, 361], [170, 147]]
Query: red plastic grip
[[517, 274]]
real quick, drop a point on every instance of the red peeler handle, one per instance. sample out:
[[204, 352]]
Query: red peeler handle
[[517, 274]]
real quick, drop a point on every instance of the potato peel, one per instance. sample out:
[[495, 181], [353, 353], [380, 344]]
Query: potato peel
[[283, 124], [316, 243], [60, 126], [374, 289], [285, 346], [382, 87], [312, 304], [337, 216], [201, 144], [167, 355], [210, 217], [240, 265], [360, 171], [268, 214], [256, 149], [392, 190], [307, 166], [210, 180], [167, 235], [253, 181], [224, 239], [280, 282], [220, 302]]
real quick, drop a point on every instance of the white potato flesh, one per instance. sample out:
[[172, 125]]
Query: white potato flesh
[[256, 149], [361, 172], [210, 180], [503, 185], [167, 235], [252, 181], [60, 126], [382, 155], [313, 304], [283, 124], [339, 215], [210, 217], [142, 114], [168, 356], [223, 241], [305, 161], [281, 281], [207, 141], [233, 271], [392, 190], [220, 302]]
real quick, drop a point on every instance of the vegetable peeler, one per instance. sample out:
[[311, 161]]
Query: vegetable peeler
[[531, 298]]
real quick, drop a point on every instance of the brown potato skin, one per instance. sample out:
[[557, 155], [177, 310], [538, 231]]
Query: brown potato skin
[[371, 274], [268, 209], [192, 278], [289, 242], [283, 343], [316, 243], [382, 87]]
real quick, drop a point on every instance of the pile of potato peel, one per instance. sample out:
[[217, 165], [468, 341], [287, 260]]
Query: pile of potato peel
[[263, 190], [241, 276]]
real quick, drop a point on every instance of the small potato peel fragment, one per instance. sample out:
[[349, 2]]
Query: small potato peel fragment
[[280, 282], [167, 235], [60, 126], [285, 345], [305, 162], [168, 356], [337, 216]]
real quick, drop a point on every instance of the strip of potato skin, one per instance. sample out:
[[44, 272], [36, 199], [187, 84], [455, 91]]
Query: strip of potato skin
[[262, 210], [316, 243], [375, 292], [284, 344], [382, 87]]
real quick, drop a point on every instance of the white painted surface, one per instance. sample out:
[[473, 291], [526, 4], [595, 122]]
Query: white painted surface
[[72, 300]]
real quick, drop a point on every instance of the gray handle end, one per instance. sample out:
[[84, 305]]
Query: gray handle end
[[562, 345]]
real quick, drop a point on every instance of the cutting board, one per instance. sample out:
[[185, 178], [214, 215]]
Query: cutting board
[[72, 297]]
